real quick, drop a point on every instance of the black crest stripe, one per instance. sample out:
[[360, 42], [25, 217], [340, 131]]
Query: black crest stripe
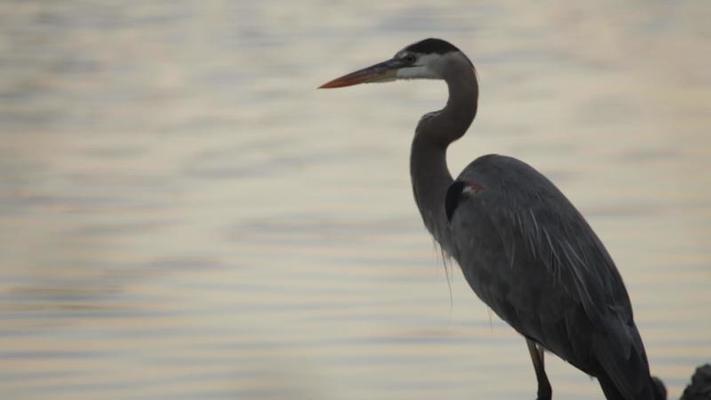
[[431, 46]]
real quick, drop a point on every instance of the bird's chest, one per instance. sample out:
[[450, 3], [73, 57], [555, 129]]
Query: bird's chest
[[484, 259]]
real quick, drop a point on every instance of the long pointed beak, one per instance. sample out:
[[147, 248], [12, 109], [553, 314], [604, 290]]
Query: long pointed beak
[[382, 72]]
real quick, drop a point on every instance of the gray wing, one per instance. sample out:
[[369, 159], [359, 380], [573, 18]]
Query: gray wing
[[532, 257]]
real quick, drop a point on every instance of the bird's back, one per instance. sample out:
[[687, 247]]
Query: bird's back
[[555, 283]]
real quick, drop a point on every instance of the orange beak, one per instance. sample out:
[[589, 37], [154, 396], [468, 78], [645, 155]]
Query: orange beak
[[382, 72]]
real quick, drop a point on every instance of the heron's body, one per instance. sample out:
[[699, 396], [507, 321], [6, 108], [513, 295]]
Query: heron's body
[[522, 246], [530, 256]]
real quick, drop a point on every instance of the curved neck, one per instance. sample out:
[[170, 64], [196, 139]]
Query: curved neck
[[428, 157]]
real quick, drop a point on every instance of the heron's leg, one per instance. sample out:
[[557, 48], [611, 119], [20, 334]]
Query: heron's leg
[[544, 386]]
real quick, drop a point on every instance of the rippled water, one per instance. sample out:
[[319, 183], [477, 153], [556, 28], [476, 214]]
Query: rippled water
[[182, 215]]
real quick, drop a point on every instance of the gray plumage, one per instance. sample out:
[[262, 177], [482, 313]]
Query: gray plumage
[[530, 256], [523, 247]]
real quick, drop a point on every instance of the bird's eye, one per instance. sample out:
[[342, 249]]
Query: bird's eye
[[410, 58]]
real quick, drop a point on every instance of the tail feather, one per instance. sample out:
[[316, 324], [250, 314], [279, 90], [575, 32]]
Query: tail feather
[[624, 371], [660, 391], [654, 390], [623, 365]]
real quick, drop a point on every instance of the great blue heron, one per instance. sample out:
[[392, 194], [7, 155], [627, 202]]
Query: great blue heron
[[523, 247]]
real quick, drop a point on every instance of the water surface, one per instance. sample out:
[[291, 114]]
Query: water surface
[[183, 216]]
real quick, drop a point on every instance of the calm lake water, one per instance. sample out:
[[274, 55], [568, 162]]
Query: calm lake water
[[184, 216]]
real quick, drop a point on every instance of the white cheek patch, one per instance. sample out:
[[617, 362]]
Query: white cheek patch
[[424, 68], [415, 72], [429, 59]]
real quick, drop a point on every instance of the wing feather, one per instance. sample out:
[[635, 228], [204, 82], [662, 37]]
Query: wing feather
[[560, 286]]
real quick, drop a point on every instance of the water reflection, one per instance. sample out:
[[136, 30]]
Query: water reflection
[[185, 216]]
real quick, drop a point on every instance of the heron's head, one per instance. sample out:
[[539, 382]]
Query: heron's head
[[426, 59]]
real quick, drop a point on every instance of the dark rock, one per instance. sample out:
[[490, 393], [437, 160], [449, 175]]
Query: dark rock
[[700, 387]]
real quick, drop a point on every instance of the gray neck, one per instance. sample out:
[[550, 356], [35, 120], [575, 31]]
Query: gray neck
[[436, 130]]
